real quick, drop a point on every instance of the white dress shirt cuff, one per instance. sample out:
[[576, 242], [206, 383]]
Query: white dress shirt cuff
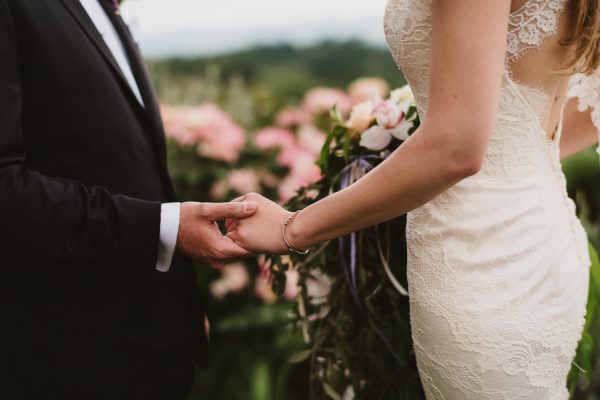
[[169, 228]]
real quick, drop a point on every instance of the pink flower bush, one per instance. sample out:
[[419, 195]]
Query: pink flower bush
[[364, 89], [234, 279], [240, 181], [303, 171], [291, 117], [298, 152], [311, 138], [262, 287], [244, 180], [320, 100], [273, 137], [208, 128]]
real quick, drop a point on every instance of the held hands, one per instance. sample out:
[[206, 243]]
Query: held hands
[[199, 236], [262, 232]]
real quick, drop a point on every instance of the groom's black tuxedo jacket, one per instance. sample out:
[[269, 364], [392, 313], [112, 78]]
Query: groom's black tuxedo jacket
[[83, 312]]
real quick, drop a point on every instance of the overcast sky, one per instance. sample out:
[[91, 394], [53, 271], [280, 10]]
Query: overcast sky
[[209, 26]]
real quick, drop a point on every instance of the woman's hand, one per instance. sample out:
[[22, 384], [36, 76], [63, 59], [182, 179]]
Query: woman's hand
[[261, 233]]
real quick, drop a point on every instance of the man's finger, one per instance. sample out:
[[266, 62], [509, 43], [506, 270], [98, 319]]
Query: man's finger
[[221, 211], [231, 250], [215, 264]]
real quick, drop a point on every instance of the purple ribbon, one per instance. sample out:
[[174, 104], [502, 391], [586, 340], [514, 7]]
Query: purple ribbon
[[114, 4], [352, 173]]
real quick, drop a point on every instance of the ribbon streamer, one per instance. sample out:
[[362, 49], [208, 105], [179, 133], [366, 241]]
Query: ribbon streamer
[[350, 174]]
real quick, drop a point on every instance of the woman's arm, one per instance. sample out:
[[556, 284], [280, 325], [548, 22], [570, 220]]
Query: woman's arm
[[468, 49]]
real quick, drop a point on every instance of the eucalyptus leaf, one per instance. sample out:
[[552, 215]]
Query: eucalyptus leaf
[[330, 392], [300, 357]]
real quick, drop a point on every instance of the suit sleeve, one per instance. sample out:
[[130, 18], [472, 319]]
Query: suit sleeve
[[61, 220]]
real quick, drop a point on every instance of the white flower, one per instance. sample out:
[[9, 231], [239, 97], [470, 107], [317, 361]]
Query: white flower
[[376, 138], [349, 394], [400, 132], [361, 117], [318, 286], [403, 97]]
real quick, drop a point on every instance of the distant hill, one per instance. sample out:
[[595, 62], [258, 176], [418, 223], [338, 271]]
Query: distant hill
[[284, 70]]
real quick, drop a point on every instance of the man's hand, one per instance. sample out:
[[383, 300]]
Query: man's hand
[[199, 237]]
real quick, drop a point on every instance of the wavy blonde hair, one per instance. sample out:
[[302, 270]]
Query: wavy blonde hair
[[583, 36]]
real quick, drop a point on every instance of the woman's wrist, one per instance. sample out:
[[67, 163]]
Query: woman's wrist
[[296, 234]]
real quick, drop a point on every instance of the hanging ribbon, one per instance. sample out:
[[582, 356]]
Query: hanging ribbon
[[349, 175]]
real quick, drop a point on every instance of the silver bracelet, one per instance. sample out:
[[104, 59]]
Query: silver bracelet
[[291, 248]]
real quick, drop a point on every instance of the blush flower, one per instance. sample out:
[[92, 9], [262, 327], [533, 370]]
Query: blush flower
[[361, 117]]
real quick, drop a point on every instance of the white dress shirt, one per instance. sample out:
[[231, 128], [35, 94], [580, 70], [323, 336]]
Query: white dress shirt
[[169, 217]]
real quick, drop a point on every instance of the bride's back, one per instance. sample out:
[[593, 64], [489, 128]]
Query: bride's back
[[536, 55]]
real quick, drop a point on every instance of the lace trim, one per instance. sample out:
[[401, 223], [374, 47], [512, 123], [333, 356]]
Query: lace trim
[[531, 24], [586, 89]]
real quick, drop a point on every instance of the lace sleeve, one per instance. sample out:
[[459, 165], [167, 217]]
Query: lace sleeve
[[586, 89]]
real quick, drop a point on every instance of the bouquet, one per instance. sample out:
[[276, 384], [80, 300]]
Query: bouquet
[[352, 308]]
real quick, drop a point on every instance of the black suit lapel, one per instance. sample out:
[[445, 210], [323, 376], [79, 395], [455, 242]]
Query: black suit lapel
[[86, 24], [140, 74], [152, 108]]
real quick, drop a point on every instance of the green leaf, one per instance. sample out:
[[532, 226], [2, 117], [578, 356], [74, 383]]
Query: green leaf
[[347, 143], [300, 357], [324, 156], [339, 131], [334, 113], [330, 392], [279, 282]]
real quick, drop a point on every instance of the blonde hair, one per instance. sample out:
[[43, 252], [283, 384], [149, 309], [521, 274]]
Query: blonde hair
[[584, 36]]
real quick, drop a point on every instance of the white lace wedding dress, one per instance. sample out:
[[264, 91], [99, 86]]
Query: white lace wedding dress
[[498, 265]]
